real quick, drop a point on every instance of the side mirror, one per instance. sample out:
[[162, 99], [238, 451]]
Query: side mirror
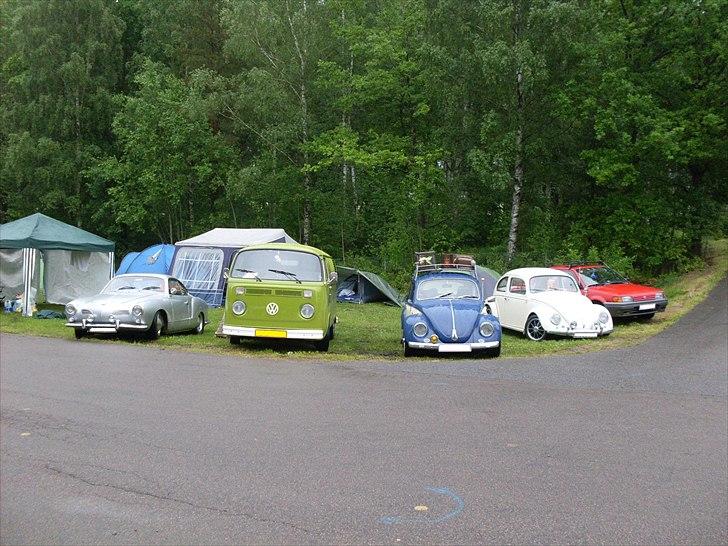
[[226, 272], [333, 277]]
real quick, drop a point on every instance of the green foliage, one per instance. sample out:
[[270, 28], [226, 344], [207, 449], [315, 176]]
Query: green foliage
[[374, 128]]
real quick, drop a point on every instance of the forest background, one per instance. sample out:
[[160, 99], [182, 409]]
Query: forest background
[[523, 131]]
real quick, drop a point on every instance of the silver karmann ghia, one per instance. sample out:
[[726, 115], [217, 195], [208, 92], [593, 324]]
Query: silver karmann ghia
[[143, 303]]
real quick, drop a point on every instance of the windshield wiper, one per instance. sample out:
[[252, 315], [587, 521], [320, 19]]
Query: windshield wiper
[[446, 294], [468, 297], [126, 288], [286, 273], [257, 278]]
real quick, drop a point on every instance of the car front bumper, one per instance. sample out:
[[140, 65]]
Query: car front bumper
[[452, 347], [272, 333], [107, 327], [635, 309]]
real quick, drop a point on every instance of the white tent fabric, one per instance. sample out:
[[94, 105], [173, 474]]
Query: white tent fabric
[[70, 274], [11, 274], [199, 269], [237, 238]]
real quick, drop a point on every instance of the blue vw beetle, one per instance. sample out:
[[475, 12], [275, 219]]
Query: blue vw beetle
[[445, 310]]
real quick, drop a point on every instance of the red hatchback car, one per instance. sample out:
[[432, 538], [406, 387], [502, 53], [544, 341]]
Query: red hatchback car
[[621, 297]]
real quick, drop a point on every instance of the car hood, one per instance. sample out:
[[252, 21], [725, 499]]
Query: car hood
[[440, 313], [571, 305], [625, 289], [117, 301]]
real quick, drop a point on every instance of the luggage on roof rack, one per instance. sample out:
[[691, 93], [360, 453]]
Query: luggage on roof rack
[[429, 261]]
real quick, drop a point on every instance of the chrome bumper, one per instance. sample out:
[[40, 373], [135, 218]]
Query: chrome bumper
[[453, 347], [106, 328], [289, 334]]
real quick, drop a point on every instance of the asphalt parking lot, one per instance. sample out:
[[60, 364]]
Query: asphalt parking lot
[[109, 443]]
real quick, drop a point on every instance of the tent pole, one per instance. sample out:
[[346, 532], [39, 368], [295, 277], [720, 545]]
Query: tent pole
[[111, 265], [28, 266]]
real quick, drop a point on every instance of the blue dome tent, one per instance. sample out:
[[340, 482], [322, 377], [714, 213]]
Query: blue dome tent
[[155, 259]]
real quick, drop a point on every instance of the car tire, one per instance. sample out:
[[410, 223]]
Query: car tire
[[234, 340], [331, 332], [648, 316], [80, 333], [409, 351], [158, 327], [322, 345], [200, 328], [534, 329], [494, 353]]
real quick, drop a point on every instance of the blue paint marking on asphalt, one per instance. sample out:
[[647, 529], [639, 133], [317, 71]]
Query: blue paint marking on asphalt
[[459, 505]]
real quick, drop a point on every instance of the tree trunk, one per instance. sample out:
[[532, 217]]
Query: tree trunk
[[518, 173]]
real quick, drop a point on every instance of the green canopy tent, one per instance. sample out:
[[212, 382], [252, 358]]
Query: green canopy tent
[[357, 286], [76, 262]]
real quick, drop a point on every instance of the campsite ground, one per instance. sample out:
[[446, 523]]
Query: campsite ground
[[373, 330]]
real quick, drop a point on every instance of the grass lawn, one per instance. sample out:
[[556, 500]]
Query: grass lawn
[[372, 331]]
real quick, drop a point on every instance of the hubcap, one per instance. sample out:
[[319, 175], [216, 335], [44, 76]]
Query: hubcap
[[535, 330]]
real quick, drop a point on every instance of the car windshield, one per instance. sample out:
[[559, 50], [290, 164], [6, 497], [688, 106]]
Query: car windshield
[[278, 265], [560, 283], [447, 288], [591, 276], [134, 284]]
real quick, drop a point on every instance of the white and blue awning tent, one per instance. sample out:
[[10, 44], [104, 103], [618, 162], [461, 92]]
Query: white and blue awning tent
[[199, 262], [75, 262]]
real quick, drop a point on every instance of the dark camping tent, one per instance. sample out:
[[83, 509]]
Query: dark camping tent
[[357, 286], [487, 278], [155, 259]]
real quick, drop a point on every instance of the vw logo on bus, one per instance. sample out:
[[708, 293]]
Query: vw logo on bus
[[271, 308]]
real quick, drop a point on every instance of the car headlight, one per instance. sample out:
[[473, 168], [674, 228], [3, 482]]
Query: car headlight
[[410, 311], [486, 329], [70, 310], [240, 290], [603, 317], [555, 319], [239, 307], [627, 299], [307, 310], [420, 329], [137, 311], [660, 296]]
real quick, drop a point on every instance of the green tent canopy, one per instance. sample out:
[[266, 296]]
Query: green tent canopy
[[44, 233], [75, 262], [357, 286]]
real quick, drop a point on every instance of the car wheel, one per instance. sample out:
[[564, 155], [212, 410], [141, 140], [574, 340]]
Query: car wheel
[[495, 352], [534, 330], [158, 327], [331, 332], [648, 316], [488, 309], [200, 328], [234, 340], [323, 344], [79, 333], [409, 351]]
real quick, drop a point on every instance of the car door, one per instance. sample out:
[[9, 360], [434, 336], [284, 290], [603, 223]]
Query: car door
[[181, 306], [501, 300], [517, 303]]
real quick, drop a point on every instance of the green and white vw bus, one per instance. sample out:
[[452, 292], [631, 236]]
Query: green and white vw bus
[[281, 290]]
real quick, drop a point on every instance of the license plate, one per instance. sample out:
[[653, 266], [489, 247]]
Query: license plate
[[646, 306], [271, 333], [454, 348]]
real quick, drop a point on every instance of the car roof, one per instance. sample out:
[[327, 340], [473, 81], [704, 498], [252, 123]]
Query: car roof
[[288, 246], [444, 274], [155, 275], [577, 266], [527, 272]]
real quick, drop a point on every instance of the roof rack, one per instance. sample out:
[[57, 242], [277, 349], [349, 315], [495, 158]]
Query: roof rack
[[429, 262]]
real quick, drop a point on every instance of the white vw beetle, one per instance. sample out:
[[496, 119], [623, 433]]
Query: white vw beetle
[[539, 301]]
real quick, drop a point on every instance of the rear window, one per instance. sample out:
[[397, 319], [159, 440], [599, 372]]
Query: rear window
[[278, 265]]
